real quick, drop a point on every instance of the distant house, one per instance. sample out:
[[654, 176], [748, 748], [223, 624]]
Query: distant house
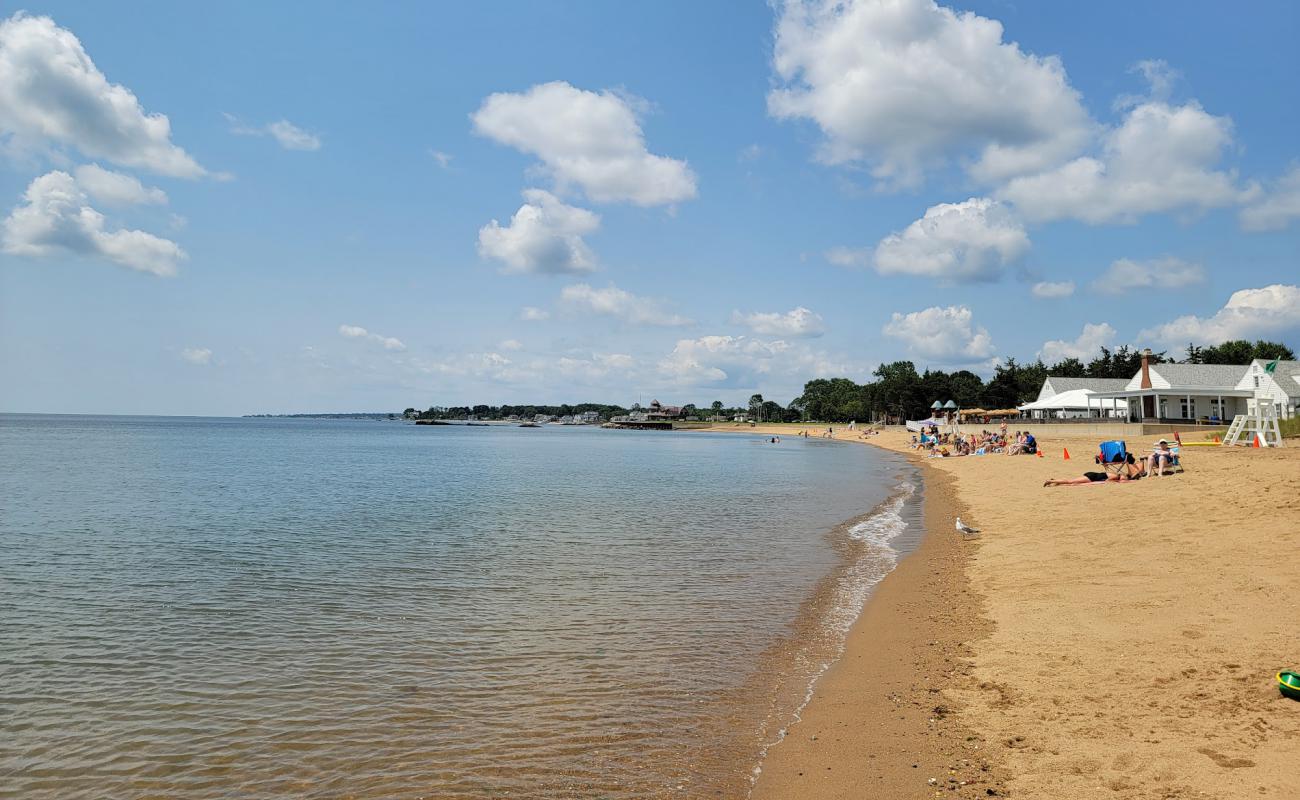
[[589, 417], [658, 411]]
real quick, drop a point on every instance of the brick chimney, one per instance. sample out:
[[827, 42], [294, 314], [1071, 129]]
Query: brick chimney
[[1146, 368]]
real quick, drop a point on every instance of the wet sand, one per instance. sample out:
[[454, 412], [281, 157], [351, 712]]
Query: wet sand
[[880, 723], [1122, 642]]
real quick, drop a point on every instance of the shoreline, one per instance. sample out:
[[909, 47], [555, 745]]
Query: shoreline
[[879, 722], [1122, 643]]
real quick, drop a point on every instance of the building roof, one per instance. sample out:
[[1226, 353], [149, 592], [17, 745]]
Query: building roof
[[1091, 384], [1055, 384], [1286, 375], [1074, 399], [1192, 376]]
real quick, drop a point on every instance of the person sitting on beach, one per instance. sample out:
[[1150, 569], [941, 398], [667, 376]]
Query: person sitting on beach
[[1160, 457], [1131, 472], [1031, 444], [1015, 447]]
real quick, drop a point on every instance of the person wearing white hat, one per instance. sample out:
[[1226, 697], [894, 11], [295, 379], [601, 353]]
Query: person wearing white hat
[[1161, 457]]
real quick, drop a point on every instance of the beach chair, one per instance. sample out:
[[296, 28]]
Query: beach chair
[[1112, 456], [1175, 457]]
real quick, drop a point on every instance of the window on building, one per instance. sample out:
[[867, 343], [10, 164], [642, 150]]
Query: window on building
[[1186, 404]]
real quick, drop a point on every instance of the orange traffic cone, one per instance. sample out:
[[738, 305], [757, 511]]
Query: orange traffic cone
[[1256, 444], [1065, 454], [1040, 453]]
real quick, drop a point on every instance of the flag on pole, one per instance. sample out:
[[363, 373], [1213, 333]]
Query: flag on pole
[[1271, 366]]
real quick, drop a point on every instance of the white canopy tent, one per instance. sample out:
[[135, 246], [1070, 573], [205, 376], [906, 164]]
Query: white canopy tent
[[1075, 403]]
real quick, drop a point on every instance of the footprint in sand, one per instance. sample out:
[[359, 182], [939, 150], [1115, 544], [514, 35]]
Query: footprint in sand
[[1225, 761]]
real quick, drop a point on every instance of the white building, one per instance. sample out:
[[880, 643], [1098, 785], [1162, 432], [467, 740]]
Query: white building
[[1210, 393], [1280, 386], [1073, 398]]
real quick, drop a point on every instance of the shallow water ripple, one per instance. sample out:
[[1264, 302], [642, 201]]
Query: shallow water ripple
[[268, 608]]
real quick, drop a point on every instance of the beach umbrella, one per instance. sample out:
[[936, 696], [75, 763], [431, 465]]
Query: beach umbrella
[[949, 404], [936, 405]]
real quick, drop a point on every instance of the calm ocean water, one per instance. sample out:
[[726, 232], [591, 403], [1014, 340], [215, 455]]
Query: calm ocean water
[[200, 608]]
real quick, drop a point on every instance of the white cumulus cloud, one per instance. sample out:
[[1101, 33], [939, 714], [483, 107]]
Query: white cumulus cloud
[[544, 235], [116, 189], [1278, 206], [955, 242], [797, 322], [615, 302], [510, 344], [56, 217], [1248, 314], [534, 314], [772, 365], [1091, 339], [1161, 158], [946, 335], [198, 356], [1125, 275], [596, 367], [906, 85], [1052, 289], [586, 139], [358, 332], [52, 94]]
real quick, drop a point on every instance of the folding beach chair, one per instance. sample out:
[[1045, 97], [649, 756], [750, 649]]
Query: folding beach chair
[[1175, 457], [1113, 456]]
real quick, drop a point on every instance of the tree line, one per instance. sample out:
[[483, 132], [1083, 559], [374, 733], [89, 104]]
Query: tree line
[[900, 392]]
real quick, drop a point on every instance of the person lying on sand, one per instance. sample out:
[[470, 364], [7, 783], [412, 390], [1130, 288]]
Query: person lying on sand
[[1131, 472]]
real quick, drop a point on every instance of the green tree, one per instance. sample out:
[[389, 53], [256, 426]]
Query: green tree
[[1240, 351], [1068, 368], [716, 408], [1272, 350], [898, 390], [756, 407]]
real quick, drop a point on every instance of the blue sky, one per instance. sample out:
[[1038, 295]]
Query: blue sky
[[246, 208]]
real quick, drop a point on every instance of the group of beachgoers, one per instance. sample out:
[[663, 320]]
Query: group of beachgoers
[[1159, 462], [986, 442]]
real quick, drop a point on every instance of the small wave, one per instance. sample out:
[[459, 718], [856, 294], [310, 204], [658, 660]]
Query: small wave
[[868, 567]]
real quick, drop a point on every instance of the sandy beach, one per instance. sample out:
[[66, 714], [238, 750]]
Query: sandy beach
[[1106, 641]]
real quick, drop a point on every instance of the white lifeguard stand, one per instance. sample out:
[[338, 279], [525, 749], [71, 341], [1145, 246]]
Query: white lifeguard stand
[[1261, 422]]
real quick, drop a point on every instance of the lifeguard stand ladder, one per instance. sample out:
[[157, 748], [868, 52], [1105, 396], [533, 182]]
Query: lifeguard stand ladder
[[1261, 422]]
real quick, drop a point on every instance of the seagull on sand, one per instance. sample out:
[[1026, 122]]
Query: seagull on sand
[[964, 529]]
